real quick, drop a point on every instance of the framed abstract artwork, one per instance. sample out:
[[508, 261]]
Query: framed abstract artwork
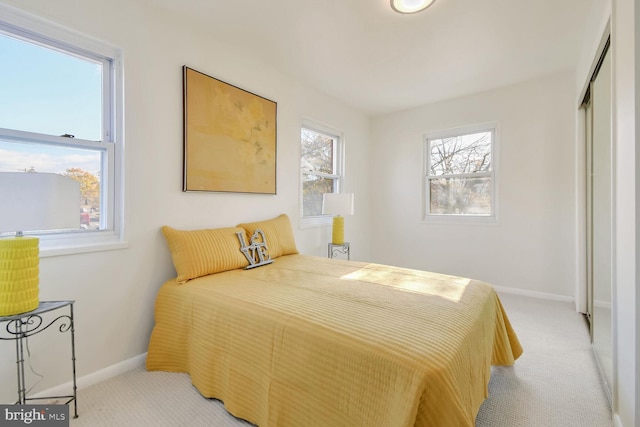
[[229, 137]]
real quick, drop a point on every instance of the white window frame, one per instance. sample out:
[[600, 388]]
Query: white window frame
[[322, 220], [19, 24], [428, 217]]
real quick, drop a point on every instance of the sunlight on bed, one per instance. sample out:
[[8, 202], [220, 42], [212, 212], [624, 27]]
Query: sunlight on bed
[[424, 282]]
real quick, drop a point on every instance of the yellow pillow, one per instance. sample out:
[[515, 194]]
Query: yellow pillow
[[278, 233], [201, 252]]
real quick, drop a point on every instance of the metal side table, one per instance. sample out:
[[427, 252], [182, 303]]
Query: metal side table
[[333, 250], [21, 326]]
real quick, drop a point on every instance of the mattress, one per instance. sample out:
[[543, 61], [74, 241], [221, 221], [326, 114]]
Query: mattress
[[309, 341]]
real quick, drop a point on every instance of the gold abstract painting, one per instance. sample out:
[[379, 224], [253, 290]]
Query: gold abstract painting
[[229, 137]]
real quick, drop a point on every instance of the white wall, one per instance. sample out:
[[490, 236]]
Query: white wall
[[115, 290], [532, 246]]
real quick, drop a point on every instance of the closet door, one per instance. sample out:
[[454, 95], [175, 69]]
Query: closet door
[[601, 202]]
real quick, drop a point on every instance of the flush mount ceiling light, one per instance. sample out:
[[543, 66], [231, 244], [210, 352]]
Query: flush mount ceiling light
[[410, 6]]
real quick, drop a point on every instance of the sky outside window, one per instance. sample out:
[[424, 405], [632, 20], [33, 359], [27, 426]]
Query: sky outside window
[[43, 90]]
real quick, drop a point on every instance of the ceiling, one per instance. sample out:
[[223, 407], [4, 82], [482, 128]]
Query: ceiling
[[363, 53]]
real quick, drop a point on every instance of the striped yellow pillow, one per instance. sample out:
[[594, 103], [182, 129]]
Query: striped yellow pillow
[[198, 253], [278, 233]]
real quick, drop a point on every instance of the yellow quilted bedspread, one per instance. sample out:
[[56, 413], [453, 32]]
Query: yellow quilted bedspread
[[313, 342]]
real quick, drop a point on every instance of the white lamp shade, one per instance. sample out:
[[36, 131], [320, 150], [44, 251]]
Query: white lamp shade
[[337, 203], [38, 201]]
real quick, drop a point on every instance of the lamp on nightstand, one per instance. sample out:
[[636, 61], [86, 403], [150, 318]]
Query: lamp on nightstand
[[337, 204], [30, 202]]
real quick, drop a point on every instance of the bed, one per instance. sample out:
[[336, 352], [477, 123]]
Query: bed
[[309, 341]]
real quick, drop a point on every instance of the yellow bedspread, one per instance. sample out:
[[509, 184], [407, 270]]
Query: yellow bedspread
[[309, 341]]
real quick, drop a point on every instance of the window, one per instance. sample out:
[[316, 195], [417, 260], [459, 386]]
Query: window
[[61, 114], [320, 164], [460, 173]]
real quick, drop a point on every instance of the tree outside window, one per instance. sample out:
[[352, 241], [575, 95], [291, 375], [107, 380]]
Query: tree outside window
[[319, 164], [460, 175]]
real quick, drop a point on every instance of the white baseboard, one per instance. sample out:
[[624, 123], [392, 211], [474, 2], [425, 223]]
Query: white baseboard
[[533, 294], [95, 377]]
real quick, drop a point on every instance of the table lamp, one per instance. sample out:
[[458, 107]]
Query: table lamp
[[337, 204], [30, 201]]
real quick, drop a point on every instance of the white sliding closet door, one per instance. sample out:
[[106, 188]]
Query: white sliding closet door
[[600, 169]]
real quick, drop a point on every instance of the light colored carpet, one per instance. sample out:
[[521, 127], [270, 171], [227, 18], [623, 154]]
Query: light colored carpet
[[554, 383]]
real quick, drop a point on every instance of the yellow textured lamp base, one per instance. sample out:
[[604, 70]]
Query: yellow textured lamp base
[[337, 234], [19, 270]]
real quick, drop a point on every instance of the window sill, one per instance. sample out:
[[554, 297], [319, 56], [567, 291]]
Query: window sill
[[73, 250], [51, 246], [459, 220], [316, 221]]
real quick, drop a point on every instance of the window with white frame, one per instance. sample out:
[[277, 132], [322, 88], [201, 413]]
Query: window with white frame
[[60, 114], [321, 168], [460, 173]]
